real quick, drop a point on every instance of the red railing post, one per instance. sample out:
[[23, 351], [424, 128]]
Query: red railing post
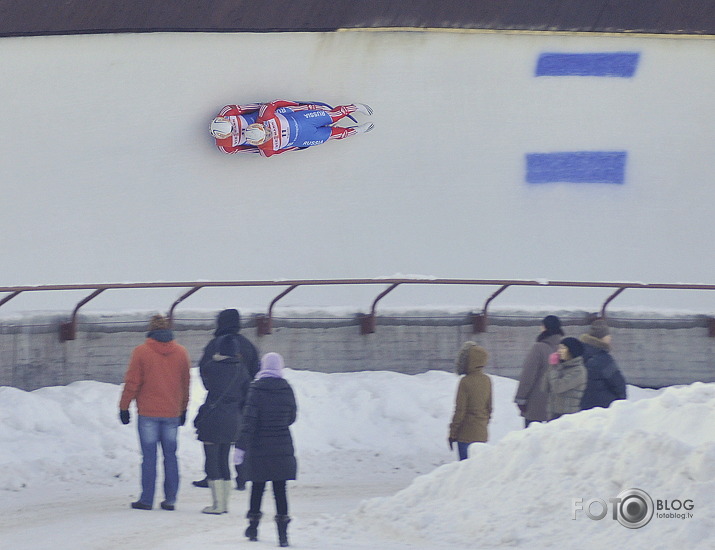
[[68, 331], [480, 320], [264, 323], [368, 322]]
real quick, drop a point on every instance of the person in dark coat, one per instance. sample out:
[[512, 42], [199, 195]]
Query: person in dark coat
[[530, 395], [266, 439], [226, 378], [605, 381], [228, 323]]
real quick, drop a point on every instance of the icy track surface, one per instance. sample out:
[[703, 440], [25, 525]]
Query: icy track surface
[[110, 175], [375, 471]]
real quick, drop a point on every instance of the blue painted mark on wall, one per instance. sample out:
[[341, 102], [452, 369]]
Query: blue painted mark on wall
[[576, 167], [609, 64]]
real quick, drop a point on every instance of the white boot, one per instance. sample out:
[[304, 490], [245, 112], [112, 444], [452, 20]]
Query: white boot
[[363, 128], [226, 494], [216, 486], [362, 108]]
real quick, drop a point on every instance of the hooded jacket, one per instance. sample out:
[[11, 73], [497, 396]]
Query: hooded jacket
[[229, 323], [605, 382], [265, 431], [158, 379], [473, 404], [530, 391], [564, 384], [226, 379]]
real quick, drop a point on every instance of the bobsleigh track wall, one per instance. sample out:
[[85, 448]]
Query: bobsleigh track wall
[[497, 153]]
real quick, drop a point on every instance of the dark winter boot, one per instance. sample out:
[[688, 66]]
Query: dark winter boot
[[282, 522], [201, 483], [240, 482], [253, 520]]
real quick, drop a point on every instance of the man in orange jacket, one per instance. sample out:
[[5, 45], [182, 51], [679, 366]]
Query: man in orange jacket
[[158, 379]]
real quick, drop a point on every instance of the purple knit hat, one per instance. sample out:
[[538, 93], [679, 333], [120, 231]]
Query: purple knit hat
[[271, 366]]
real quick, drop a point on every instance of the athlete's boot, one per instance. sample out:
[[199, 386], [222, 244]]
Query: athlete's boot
[[363, 128], [362, 108]]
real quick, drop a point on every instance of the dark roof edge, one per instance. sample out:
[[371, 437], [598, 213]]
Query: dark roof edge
[[653, 17], [576, 32]]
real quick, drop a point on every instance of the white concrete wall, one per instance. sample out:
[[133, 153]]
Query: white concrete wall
[[107, 172]]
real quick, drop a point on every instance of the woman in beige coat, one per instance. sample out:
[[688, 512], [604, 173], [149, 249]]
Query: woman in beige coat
[[473, 407]]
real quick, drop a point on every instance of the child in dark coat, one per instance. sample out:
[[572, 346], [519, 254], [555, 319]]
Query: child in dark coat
[[266, 439]]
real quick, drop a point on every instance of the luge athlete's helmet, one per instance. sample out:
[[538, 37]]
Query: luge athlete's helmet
[[256, 134], [221, 127]]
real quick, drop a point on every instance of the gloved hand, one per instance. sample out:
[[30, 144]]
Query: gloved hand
[[522, 408], [182, 418], [124, 417], [451, 443]]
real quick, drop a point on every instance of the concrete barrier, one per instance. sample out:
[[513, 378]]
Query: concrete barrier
[[652, 350]]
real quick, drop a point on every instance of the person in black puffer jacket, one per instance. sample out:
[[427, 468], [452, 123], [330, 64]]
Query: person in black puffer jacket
[[605, 381], [227, 379], [229, 324], [266, 439]]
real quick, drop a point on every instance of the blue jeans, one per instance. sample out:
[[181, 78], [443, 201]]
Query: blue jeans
[[153, 431], [462, 450]]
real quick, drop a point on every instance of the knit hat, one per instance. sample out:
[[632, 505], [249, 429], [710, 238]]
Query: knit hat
[[272, 366], [574, 346], [552, 323], [471, 355], [158, 322], [599, 329]]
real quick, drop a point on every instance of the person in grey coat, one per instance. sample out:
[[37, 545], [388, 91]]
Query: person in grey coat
[[530, 395], [565, 379], [605, 381], [266, 439]]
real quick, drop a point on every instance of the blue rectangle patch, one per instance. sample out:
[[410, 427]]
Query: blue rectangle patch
[[576, 167], [609, 64]]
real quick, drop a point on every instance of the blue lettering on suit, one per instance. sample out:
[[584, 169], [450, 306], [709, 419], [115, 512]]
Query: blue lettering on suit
[[308, 128]]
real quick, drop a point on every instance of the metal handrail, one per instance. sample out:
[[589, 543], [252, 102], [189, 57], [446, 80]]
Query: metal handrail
[[67, 333]]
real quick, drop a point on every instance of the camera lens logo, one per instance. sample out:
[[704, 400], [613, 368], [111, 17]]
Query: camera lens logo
[[633, 508]]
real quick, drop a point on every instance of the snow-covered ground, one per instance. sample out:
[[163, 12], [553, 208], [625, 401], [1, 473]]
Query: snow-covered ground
[[375, 471]]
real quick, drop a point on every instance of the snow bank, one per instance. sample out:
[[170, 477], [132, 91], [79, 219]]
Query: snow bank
[[72, 433], [352, 428], [520, 492]]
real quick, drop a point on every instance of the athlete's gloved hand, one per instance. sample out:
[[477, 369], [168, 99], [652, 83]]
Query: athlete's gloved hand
[[124, 417]]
